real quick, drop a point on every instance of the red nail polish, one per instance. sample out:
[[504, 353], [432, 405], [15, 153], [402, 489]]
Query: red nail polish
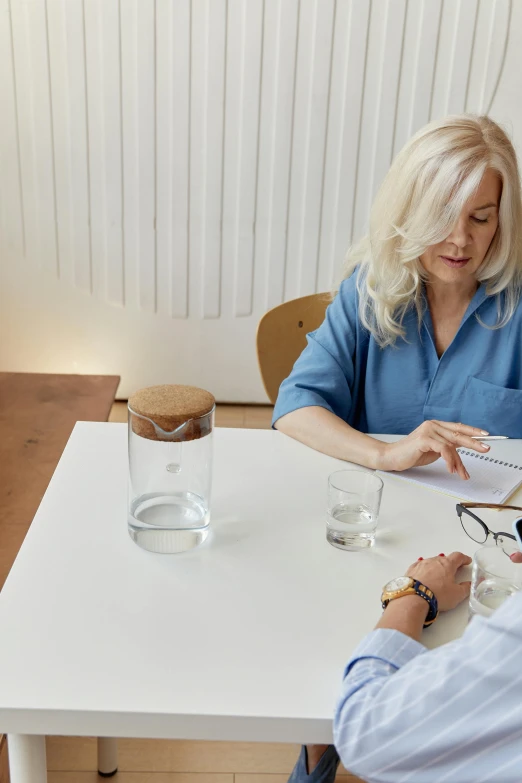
[[442, 554], [420, 558]]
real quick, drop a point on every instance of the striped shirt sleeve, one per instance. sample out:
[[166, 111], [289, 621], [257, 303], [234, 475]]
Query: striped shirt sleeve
[[453, 714]]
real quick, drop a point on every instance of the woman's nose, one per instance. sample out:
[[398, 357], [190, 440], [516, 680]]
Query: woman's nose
[[460, 235]]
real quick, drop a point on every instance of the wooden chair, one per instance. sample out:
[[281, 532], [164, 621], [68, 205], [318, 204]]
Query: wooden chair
[[281, 336]]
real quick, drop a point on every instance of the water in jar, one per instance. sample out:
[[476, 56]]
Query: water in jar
[[169, 493]]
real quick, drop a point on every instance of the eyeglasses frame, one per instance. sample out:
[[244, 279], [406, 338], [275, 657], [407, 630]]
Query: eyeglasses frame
[[465, 506]]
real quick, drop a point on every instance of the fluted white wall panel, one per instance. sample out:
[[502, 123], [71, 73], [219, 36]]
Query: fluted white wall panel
[[170, 169]]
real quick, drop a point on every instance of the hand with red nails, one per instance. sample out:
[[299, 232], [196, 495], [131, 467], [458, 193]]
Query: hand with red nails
[[439, 574]]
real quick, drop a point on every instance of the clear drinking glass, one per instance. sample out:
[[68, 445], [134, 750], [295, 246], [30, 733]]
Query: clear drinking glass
[[494, 578], [354, 500]]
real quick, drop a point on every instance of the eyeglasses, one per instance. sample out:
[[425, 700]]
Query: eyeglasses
[[476, 529]]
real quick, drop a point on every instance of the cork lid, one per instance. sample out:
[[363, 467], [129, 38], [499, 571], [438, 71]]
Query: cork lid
[[159, 412]]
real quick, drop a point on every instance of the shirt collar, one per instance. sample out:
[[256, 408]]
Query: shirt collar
[[479, 296]]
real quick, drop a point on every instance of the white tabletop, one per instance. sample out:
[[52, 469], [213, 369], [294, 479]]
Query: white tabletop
[[243, 638]]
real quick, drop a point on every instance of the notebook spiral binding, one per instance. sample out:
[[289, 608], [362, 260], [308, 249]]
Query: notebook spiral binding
[[489, 459]]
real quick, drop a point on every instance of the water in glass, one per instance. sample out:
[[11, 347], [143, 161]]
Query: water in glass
[[489, 595], [494, 578], [351, 526]]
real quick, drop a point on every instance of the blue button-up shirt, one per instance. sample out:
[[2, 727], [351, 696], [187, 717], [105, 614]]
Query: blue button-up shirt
[[477, 380], [450, 715]]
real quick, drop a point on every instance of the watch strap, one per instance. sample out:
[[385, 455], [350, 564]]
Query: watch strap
[[429, 596]]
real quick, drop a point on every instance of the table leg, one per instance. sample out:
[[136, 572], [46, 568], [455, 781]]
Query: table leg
[[107, 756], [27, 760]]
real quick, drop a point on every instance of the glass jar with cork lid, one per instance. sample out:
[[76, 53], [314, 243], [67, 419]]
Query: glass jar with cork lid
[[170, 467]]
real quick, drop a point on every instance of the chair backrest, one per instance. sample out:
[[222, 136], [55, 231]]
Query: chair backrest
[[281, 337]]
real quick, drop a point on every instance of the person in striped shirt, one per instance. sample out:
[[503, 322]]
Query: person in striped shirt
[[449, 715], [411, 715]]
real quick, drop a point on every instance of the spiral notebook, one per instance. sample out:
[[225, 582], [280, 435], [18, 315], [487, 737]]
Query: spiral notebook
[[491, 480]]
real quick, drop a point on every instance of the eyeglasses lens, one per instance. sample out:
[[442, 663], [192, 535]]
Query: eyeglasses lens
[[473, 528]]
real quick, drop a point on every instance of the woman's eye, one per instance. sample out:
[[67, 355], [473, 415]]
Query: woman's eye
[[480, 220]]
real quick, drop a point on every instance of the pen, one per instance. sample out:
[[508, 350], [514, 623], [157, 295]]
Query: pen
[[490, 437]]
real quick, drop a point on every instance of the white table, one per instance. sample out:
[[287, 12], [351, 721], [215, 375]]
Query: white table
[[243, 638]]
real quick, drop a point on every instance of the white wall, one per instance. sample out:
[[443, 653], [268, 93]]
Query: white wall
[[170, 169]]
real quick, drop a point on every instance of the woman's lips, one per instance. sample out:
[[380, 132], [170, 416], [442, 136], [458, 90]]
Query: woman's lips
[[455, 263]]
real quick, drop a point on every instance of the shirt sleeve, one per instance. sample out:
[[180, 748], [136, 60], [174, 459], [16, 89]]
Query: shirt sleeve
[[324, 373], [451, 714]]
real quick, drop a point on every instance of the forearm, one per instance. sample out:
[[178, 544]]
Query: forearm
[[406, 713], [406, 614], [372, 692], [324, 431]]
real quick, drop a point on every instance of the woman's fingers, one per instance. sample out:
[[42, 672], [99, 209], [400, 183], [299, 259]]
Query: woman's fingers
[[457, 426], [457, 560], [458, 438], [449, 454], [454, 462], [465, 589], [450, 434]]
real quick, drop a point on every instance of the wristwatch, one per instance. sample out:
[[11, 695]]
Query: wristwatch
[[406, 585]]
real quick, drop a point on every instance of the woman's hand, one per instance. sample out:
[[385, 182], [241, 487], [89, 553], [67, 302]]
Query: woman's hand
[[438, 573], [433, 439], [407, 614]]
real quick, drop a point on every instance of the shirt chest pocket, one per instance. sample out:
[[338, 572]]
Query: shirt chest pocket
[[492, 408]]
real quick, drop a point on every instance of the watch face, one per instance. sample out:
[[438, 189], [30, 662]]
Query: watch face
[[398, 584]]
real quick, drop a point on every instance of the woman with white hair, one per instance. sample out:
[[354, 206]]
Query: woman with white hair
[[424, 337]]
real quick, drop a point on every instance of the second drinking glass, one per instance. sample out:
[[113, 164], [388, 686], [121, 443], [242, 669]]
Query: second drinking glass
[[494, 578], [354, 500]]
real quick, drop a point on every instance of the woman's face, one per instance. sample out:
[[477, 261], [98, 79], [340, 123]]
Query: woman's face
[[457, 259]]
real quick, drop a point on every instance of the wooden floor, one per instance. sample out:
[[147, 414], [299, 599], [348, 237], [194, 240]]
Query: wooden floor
[[73, 759]]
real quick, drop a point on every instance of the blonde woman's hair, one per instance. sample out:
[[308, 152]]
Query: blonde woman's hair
[[419, 203]]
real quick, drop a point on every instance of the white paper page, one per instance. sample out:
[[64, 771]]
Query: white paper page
[[491, 481]]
